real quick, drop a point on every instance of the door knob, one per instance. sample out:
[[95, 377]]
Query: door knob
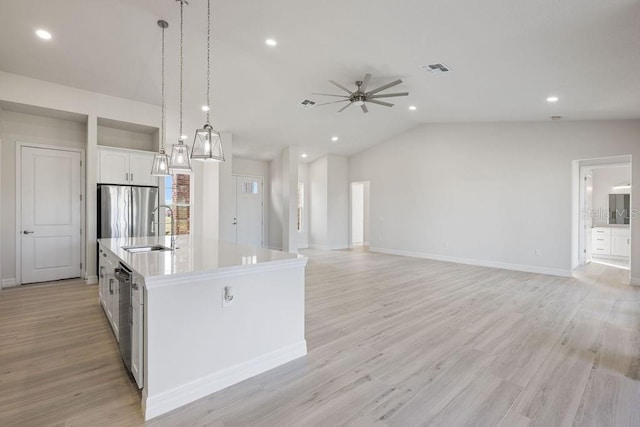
[[27, 232]]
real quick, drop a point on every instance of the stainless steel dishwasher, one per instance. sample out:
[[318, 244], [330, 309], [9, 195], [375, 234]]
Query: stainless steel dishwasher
[[124, 276]]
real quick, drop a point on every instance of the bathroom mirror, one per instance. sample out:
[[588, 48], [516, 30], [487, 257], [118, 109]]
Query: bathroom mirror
[[619, 208]]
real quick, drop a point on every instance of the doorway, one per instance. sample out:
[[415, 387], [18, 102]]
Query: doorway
[[359, 214], [48, 213], [604, 212], [248, 220]]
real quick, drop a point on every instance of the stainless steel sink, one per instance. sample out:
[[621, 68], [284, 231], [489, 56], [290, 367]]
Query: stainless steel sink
[[146, 248]]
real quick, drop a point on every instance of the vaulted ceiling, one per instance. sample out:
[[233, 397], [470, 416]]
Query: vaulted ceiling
[[507, 56]]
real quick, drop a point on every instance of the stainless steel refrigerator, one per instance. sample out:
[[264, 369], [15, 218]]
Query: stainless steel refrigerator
[[126, 211]]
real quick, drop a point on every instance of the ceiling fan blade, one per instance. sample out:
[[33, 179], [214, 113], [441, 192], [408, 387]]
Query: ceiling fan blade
[[383, 87], [338, 85], [332, 102], [386, 104], [345, 107], [365, 82], [364, 108], [388, 95], [330, 94]]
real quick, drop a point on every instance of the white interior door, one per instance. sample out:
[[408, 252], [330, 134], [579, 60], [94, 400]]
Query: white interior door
[[357, 214], [50, 214], [248, 219]]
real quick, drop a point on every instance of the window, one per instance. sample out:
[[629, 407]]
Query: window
[[300, 205], [177, 194]]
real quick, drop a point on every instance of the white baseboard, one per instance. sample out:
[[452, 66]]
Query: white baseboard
[[92, 280], [478, 262], [634, 281], [152, 406], [327, 247], [8, 283]]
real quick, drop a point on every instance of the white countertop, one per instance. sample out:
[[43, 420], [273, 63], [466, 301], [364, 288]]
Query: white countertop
[[197, 256], [612, 226]]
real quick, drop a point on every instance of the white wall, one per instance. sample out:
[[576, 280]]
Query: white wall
[[275, 204], [251, 167], [329, 202], [126, 139], [19, 127], [487, 193], [303, 178], [604, 179]]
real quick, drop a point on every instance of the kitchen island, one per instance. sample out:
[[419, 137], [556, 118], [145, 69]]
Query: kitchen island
[[206, 315]]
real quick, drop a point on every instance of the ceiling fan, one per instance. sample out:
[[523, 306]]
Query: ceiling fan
[[360, 96]]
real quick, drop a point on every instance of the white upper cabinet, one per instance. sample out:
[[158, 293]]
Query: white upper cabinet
[[140, 169], [126, 167]]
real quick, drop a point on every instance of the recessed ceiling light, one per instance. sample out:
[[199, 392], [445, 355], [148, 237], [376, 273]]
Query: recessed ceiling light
[[413, 108], [271, 42], [304, 156], [552, 99], [205, 108], [334, 139], [183, 137], [43, 34]]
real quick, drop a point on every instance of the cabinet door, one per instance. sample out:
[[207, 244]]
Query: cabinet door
[[620, 245], [140, 169], [114, 167], [115, 307], [137, 342]]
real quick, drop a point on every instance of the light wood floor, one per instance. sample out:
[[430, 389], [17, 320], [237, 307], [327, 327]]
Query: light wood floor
[[392, 341]]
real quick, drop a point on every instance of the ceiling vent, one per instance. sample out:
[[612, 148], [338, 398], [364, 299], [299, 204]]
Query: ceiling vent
[[307, 104], [556, 118], [436, 68]]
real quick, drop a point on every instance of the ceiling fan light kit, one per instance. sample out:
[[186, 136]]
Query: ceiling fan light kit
[[361, 97], [207, 144]]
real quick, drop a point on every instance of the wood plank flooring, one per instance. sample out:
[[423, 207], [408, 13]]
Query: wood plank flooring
[[393, 341]]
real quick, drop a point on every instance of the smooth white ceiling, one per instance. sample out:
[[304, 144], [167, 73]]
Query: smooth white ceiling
[[507, 57]]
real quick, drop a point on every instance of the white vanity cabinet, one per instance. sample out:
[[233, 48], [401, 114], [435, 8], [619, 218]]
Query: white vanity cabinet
[[611, 241], [125, 167]]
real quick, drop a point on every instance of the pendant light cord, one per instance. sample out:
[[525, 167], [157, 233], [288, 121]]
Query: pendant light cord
[[181, 64], [162, 134], [208, 60]]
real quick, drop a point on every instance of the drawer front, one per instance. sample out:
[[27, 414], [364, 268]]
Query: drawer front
[[601, 231], [621, 232]]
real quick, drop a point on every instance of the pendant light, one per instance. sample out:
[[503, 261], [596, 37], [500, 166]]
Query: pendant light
[[161, 159], [207, 143], [180, 152]]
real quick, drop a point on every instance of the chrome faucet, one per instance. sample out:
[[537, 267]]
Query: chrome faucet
[[174, 237]]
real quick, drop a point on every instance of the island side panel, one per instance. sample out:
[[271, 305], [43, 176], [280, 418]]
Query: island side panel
[[195, 347]]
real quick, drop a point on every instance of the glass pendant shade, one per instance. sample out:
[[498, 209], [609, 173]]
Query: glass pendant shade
[[180, 157], [207, 145], [160, 164]]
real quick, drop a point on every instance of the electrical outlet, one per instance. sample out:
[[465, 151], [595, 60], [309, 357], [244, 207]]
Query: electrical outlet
[[227, 296], [538, 252], [445, 244]]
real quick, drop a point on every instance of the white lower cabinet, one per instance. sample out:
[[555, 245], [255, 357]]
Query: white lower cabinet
[[611, 241], [108, 289], [137, 330]]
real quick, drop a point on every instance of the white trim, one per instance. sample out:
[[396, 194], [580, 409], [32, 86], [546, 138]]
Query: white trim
[[634, 281], [92, 280], [152, 406], [478, 262], [327, 247], [8, 283], [18, 219]]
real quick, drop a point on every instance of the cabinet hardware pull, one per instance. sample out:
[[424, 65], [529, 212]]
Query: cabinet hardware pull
[[126, 176], [110, 288], [101, 272], [131, 177]]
